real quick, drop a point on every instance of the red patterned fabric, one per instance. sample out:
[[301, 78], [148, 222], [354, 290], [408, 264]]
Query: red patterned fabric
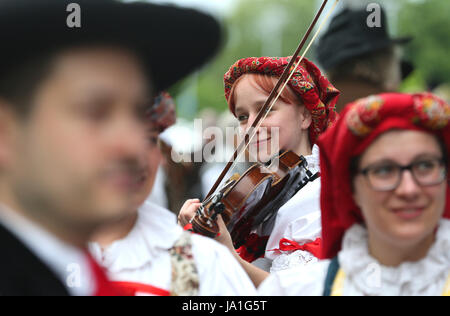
[[314, 89], [135, 289], [359, 125], [162, 113]]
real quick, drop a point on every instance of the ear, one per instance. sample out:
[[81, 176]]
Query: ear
[[8, 133], [306, 118]]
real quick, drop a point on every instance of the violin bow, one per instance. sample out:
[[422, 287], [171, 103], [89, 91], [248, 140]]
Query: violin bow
[[275, 94]]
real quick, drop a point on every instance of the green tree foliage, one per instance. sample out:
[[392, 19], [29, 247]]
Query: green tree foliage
[[429, 23], [269, 27], [255, 28]]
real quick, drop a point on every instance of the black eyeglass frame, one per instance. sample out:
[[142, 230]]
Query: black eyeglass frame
[[441, 162]]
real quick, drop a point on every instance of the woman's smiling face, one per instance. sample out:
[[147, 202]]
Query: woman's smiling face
[[410, 212], [285, 127]]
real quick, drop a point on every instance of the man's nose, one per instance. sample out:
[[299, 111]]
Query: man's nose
[[130, 138]]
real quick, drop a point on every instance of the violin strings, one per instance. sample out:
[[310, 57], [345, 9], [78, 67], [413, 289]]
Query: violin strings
[[239, 151]]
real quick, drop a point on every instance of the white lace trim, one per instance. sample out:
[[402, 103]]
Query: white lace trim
[[364, 275], [291, 260], [154, 233], [314, 159]]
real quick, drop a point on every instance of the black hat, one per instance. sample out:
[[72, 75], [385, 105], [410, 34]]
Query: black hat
[[349, 36], [172, 41]]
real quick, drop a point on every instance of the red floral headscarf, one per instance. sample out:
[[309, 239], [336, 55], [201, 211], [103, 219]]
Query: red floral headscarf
[[162, 114], [359, 125], [314, 89]]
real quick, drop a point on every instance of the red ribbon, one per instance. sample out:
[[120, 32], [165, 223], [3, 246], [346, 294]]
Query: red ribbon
[[104, 287], [288, 245], [188, 226], [133, 288]]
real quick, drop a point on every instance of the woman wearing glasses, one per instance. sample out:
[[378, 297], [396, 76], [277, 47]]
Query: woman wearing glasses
[[385, 202]]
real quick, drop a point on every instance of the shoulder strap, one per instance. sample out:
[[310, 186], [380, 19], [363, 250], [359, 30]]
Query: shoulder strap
[[185, 280], [333, 269]]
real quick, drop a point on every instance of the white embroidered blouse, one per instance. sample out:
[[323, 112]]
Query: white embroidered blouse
[[364, 276], [299, 220]]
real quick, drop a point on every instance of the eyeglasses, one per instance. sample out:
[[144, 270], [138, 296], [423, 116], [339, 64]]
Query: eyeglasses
[[387, 176]]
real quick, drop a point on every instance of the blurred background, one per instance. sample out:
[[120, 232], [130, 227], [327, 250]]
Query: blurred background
[[274, 28]]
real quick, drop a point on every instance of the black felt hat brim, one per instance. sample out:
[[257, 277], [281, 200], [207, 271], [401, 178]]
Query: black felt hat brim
[[172, 41]]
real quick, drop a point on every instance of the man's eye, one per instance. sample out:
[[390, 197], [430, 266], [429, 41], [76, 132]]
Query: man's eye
[[95, 111]]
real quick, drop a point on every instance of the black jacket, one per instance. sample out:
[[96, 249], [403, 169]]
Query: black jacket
[[22, 273]]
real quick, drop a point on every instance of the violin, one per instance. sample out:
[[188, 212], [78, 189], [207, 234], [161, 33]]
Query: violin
[[251, 199], [245, 201]]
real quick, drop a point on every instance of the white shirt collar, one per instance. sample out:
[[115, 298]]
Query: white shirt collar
[[69, 263], [155, 232]]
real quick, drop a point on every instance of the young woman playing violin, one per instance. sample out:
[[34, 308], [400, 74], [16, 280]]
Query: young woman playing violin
[[304, 110]]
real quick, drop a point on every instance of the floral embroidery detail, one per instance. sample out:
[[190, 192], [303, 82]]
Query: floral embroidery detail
[[364, 115], [431, 111], [428, 111], [185, 279]]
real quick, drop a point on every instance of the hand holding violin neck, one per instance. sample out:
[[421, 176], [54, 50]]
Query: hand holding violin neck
[[204, 222]]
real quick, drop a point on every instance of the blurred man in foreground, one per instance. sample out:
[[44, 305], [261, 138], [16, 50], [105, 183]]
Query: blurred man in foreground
[[73, 132]]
